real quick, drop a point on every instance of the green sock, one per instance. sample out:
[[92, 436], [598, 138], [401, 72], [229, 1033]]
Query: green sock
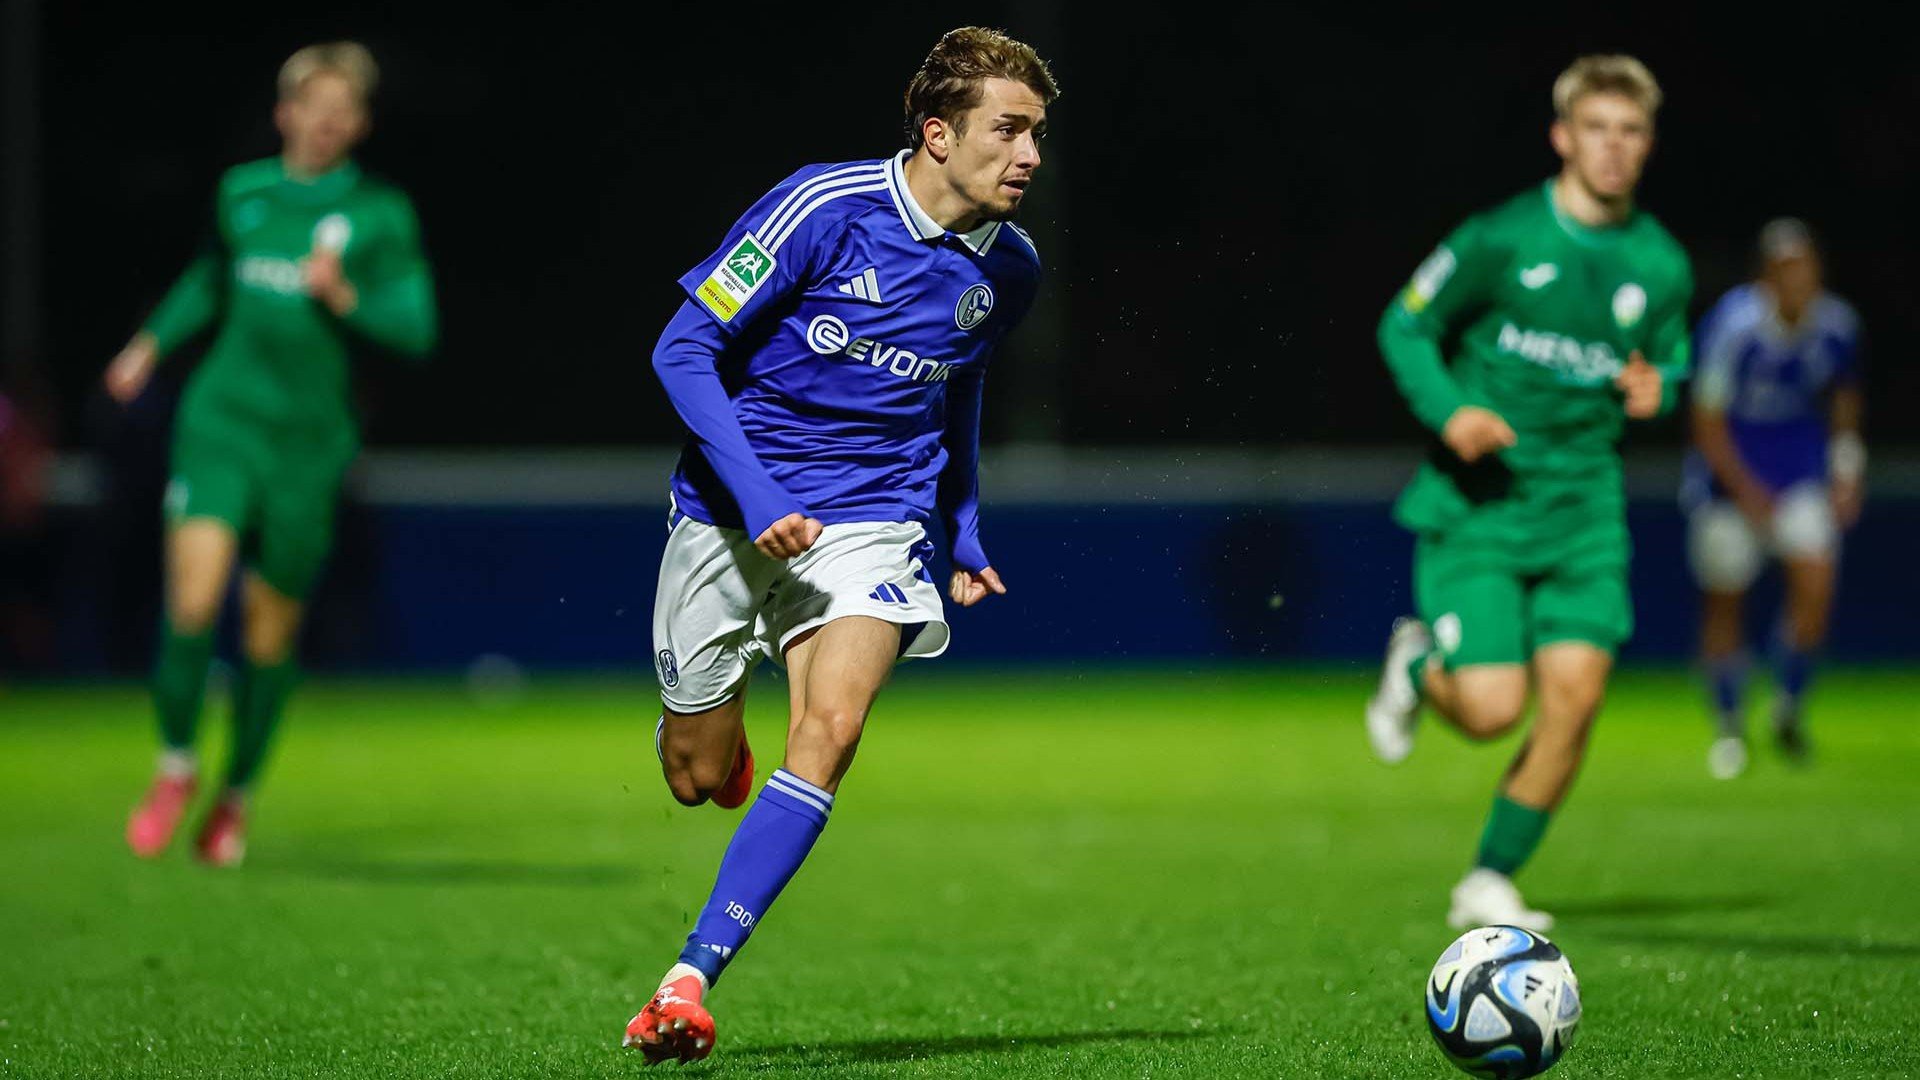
[[180, 684], [259, 698], [1513, 831]]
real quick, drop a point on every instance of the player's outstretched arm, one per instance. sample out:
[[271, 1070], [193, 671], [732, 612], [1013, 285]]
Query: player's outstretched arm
[[687, 361], [393, 303], [1669, 354], [1473, 432], [132, 367], [1449, 285], [958, 493], [1713, 391], [1643, 386], [190, 306], [1847, 454], [1715, 443]]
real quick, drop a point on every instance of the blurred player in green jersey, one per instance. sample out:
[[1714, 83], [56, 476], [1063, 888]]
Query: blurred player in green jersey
[[1565, 309], [305, 257]]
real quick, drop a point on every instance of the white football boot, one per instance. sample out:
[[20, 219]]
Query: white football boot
[[1394, 709], [1727, 757], [1487, 898]]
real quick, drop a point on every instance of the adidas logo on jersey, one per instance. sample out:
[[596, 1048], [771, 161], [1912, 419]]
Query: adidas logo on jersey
[[866, 286], [1539, 277]]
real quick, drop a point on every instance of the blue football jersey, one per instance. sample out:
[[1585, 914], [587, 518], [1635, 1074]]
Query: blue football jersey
[[850, 319], [1773, 383]]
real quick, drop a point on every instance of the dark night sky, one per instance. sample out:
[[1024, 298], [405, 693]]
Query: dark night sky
[[1230, 197]]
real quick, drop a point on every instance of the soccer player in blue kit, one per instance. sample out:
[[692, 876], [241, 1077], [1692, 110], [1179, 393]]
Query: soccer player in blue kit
[[828, 361], [1777, 471]]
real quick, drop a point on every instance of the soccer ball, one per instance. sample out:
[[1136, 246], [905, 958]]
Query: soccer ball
[[1502, 1002]]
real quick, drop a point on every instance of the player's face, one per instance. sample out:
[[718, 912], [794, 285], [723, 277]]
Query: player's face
[[1605, 143], [322, 122], [997, 148], [1795, 281]]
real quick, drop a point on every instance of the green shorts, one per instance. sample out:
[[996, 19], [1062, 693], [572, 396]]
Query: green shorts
[[280, 506], [1485, 610]]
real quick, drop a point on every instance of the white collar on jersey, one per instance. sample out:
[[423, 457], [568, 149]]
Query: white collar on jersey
[[1774, 325], [918, 223]]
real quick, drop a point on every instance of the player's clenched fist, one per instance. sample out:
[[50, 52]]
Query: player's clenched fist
[[1641, 383], [327, 282], [789, 536], [128, 373], [969, 587], [1473, 432]]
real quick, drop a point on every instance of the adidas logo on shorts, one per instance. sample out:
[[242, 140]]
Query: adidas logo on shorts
[[889, 593]]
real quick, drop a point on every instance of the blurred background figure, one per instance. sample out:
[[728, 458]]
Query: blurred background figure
[[1777, 472], [305, 258], [26, 632]]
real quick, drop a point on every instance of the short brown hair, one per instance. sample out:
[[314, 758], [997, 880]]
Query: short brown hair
[[948, 82], [348, 59], [1605, 74]]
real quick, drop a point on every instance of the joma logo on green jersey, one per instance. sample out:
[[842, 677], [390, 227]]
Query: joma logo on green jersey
[[749, 262], [1574, 361]]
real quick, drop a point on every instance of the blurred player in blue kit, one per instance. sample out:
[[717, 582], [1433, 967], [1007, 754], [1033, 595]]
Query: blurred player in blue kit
[[828, 361], [1777, 471]]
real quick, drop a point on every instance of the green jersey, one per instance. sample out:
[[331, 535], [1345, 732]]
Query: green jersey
[[1542, 313], [275, 380]]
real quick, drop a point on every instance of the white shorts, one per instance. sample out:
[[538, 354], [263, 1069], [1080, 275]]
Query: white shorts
[[1727, 553], [722, 605]]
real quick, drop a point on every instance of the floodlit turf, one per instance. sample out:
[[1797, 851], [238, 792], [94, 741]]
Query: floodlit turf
[[1098, 874]]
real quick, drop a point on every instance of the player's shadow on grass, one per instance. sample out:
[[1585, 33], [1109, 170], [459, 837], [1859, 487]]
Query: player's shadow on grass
[[467, 872], [910, 1049], [1653, 906], [1765, 944]]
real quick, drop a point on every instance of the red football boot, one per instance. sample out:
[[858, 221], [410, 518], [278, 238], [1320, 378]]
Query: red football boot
[[674, 1026], [150, 826], [732, 794], [223, 837]]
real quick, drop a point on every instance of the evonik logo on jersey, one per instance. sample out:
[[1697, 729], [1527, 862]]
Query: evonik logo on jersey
[[828, 336]]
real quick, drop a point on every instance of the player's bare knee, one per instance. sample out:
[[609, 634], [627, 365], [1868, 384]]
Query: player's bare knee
[[833, 728], [193, 614], [1576, 700], [268, 646], [1491, 715]]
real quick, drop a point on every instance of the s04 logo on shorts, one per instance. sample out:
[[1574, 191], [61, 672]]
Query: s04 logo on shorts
[[669, 669]]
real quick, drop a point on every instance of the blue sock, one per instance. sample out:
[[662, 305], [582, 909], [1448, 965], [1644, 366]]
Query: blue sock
[[1792, 670], [767, 849], [1728, 678]]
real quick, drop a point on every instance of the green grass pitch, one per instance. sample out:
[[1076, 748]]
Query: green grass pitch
[[1176, 872]]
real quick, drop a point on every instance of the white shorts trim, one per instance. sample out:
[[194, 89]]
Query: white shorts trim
[[721, 605], [1727, 553]]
